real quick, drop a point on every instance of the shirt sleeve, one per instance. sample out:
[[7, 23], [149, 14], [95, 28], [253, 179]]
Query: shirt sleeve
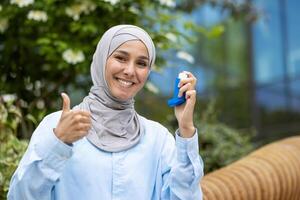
[[182, 169], [41, 165]]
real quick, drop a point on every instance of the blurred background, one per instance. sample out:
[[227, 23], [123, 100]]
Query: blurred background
[[252, 69], [244, 53]]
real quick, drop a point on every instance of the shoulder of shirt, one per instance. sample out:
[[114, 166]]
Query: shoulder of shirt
[[159, 128], [48, 123], [50, 119], [53, 115]]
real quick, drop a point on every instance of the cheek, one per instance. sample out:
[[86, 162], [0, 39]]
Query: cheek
[[111, 68], [143, 75]]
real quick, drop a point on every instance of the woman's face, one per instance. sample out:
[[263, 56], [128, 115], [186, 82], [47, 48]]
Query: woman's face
[[127, 69]]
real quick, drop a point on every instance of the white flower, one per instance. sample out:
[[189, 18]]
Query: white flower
[[22, 3], [169, 3], [37, 15], [75, 10], [151, 87], [112, 2], [134, 10], [73, 57], [185, 56], [88, 6], [23, 103], [3, 24], [40, 104], [8, 97], [172, 37]]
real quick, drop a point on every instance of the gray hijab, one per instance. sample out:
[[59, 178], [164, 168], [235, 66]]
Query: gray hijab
[[115, 123]]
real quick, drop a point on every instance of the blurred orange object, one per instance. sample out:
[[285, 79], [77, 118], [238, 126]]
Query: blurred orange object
[[269, 173]]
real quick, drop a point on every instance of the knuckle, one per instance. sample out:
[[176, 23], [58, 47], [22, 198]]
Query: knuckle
[[80, 126], [83, 127], [190, 92], [83, 133], [89, 122], [77, 127], [86, 127], [77, 117]]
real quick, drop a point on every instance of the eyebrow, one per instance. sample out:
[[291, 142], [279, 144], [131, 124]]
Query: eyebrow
[[127, 54]]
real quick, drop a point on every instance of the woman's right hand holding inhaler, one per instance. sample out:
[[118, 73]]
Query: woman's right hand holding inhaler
[[73, 124]]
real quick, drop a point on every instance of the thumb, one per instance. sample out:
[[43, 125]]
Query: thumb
[[66, 102]]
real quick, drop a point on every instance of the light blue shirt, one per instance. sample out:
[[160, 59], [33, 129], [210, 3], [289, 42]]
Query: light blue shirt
[[156, 168]]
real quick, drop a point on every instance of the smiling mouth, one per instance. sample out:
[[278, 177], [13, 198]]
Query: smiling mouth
[[125, 83]]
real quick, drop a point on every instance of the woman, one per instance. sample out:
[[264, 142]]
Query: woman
[[102, 149]]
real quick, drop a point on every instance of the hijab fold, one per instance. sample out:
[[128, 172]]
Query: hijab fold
[[115, 124]]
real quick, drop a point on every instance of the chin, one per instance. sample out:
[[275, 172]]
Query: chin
[[122, 97]]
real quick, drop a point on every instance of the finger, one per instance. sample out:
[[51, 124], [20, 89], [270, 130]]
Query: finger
[[80, 134], [82, 112], [86, 120], [81, 119], [83, 127], [190, 101], [191, 95], [184, 81], [184, 88], [189, 74], [66, 102]]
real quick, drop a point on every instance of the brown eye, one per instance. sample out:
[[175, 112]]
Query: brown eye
[[120, 58], [142, 64]]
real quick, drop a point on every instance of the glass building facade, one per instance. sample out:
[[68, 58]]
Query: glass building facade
[[276, 66]]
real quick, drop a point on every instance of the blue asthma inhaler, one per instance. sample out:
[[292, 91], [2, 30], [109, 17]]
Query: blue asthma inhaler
[[176, 101]]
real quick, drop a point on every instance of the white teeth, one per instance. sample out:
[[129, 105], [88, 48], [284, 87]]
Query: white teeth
[[125, 83]]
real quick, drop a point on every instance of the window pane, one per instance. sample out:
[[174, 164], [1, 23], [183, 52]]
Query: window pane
[[293, 29], [267, 43]]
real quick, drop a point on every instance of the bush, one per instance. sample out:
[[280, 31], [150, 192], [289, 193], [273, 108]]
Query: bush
[[220, 144], [11, 149], [11, 152]]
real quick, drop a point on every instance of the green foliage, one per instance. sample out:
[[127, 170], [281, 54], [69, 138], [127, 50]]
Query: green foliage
[[11, 149], [11, 152], [220, 144]]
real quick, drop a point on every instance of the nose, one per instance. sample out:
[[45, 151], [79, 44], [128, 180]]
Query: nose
[[129, 69]]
